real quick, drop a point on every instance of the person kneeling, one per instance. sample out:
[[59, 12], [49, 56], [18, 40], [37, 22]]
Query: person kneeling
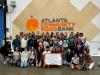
[[47, 51], [69, 56], [24, 58], [32, 60], [82, 62], [88, 59], [16, 57]]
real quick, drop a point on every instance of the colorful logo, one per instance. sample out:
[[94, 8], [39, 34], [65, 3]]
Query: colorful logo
[[50, 24], [32, 25]]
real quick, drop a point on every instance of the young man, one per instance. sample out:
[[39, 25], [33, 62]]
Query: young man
[[30, 42], [16, 42], [24, 58], [23, 43], [71, 43]]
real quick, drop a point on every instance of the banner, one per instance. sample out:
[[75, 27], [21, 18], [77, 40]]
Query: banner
[[53, 59]]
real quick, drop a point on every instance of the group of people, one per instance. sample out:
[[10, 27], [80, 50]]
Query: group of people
[[29, 49]]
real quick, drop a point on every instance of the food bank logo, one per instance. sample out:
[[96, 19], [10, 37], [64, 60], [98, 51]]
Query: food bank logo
[[48, 24], [32, 25], [57, 24]]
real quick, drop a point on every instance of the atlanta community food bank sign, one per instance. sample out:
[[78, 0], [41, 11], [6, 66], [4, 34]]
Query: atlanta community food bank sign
[[50, 24]]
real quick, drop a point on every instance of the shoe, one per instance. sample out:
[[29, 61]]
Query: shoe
[[5, 62]]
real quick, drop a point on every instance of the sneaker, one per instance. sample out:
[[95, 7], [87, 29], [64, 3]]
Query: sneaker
[[4, 62]]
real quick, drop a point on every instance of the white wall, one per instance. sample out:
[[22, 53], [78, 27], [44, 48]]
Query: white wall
[[20, 6], [79, 4]]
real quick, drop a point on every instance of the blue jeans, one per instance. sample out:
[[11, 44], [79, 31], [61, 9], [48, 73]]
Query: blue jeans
[[24, 64], [32, 61]]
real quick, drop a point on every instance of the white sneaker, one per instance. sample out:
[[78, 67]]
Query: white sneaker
[[4, 62]]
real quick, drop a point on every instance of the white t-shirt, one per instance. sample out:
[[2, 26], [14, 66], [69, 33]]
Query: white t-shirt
[[60, 42], [75, 60], [46, 52], [24, 56], [86, 43], [23, 43], [16, 55], [82, 39], [32, 55], [40, 43], [45, 43], [65, 43]]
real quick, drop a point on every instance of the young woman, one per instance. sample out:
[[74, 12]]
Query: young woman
[[47, 51], [4, 50], [55, 41], [69, 56], [16, 57], [65, 45], [88, 60], [23, 43], [45, 43], [75, 62], [82, 62], [60, 43], [51, 44], [32, 57], [39, 57]]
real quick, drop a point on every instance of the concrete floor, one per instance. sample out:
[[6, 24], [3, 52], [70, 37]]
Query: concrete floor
[[11, 70]]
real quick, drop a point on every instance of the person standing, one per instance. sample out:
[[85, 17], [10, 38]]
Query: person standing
[[71, 43], [30, 42], [16, 42], [23, 43]]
